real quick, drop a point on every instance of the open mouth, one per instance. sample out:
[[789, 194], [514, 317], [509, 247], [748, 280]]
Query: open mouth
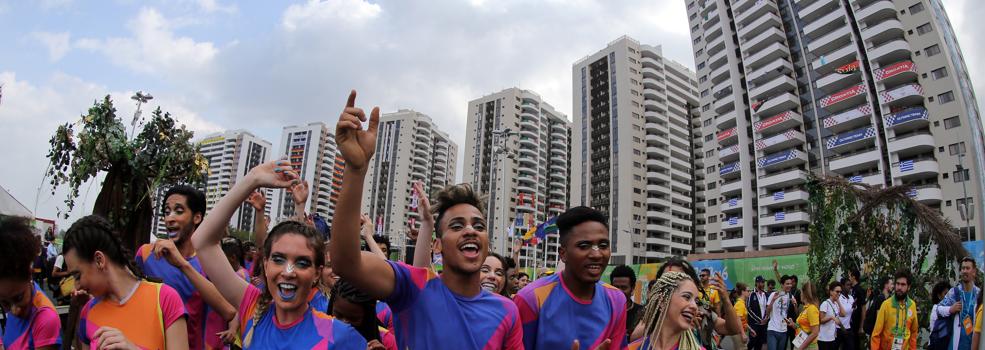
[[173, 232], [488, 286], [470, 250], [595, 269], [287, 291], [688, 315]]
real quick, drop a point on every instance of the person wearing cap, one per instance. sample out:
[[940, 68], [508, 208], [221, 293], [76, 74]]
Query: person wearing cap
[[757, 315]]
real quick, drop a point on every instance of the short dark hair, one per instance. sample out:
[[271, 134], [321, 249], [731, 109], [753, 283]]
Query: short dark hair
[[382, 239], [741, 287], [522, 274], [19, 248], [784, 278], [623, 271], [939, 288], [970, 260], [853, 272], [771, 283], [903, 273], [833, 285], [195, 198], [575, 216], [708, 271], [451, 196]]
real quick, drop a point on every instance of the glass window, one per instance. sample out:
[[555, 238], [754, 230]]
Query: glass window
[[932, 50], [917, 8], [945, 97], [956, 148], [952, 122], [710, 170], [939, 73], [924, 29], [961, 176]]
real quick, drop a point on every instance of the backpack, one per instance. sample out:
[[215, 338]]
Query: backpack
[[941, 330]]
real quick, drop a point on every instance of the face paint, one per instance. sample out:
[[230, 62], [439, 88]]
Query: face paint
[[289, 268]]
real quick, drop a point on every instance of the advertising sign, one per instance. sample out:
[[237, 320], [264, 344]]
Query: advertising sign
[[851, 136]]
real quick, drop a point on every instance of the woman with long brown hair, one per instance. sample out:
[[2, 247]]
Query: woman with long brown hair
[[672, 305]]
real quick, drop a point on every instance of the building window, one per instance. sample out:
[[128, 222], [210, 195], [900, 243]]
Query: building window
[[924, 29], [945, 97], [713, 201], [939, 73], [709, 153], [917, 8], [710, 170], [708, 137], [956, 148], [960, 176], [712, 186], [932, 50], [637, 165], [707, 122], [713, 219], [952, 122]]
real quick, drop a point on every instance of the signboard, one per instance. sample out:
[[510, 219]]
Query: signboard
[[849, 137], [843, 95], [894, 69], [907, 115], [726, 134], [901, 92], [746, 270], [729, 168], [775, 139], [774, 120], [715, 266], [777, 157], [849, 68], [845, 116], [728, 151]]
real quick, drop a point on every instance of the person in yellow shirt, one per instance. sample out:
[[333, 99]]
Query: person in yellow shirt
[[710, 291], [741, 295], [976, 338], [809, 320], [896, 321]]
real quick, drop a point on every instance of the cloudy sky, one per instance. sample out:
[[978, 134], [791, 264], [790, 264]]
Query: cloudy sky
[[219, 65]]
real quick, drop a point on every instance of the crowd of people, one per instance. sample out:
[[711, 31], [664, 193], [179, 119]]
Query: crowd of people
[[299, 286]]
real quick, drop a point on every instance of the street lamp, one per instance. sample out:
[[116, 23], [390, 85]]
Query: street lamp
[[500, 137], [141, 98], [964, 208]]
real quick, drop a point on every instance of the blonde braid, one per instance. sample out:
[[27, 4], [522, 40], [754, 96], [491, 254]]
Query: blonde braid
[[658, 301], [263, 303]]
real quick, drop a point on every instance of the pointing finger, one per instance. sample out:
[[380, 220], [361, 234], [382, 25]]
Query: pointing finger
[[352, 99]]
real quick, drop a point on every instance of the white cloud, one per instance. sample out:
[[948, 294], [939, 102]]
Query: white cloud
[[340, 11], [154, 48], [57, 43], [210, 6]]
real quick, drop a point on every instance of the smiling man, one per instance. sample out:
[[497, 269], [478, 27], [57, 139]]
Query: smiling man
[[573, 305]]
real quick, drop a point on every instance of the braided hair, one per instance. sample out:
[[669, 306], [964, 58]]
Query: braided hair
[[94, 233], [658, 302], [20, 247], [283, 228], [369, 328]]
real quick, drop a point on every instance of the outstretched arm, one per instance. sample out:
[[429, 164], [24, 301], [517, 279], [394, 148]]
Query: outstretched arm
[[207, 237], [367, 271], [733, 325], [422, 248], [366, 229], [259, 203], [166, 248]]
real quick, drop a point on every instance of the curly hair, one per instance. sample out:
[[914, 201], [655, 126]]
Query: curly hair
[[658, 302], [316, 244], [94, 233], [345, 290], [451, 196], [20, 247]]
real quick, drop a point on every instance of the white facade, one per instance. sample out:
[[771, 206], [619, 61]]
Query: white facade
[[525, 177], [632, 149], [875, 91], [312, 152], [409, 148]]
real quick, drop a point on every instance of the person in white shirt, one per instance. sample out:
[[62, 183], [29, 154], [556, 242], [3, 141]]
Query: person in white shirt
[[778, 310], [847, 339], [831, 310]]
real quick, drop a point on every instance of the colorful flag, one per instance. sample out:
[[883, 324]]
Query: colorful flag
[[906, 165], [855, 179], [778, 195], [756, 104], [849, 68], [779, 216]]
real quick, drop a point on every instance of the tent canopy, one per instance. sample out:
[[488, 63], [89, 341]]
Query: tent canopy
[[10, 206]]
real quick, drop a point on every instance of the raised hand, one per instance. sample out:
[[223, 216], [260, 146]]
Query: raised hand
[[423, 203], [277, 174], [257, 200], [366, 227], [356, 145], [166, 249], [300, 192]]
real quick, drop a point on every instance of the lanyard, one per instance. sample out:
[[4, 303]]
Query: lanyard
[[901, 314], [967, 302]]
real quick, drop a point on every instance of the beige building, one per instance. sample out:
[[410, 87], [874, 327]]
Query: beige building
[[633, 137], [409, 148], [312, 152], [875, 91], [516, 153]]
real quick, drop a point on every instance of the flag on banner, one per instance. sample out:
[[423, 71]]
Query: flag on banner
[[906, 165], [849, 68], [518, 221], [756, 104], [379, 225], [733, 220], [549, 226], [778, 195], [732, 202], [855, 179], [912, 192], [779, 216]]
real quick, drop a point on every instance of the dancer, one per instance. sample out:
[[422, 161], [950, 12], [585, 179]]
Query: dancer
[[31, 319], [672, 306]]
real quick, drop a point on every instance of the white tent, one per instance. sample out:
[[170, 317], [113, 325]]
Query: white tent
[[10, 206]]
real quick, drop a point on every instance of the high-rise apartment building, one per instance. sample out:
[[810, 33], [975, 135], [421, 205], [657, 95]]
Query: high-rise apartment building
[[875, 91], [409, 148], [632, 153], [517, 153], [313, 154]]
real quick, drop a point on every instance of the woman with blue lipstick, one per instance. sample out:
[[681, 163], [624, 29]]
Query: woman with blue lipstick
[[277, 317]]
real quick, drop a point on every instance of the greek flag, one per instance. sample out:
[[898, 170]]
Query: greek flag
[[778, 195], [414, 202], [906, 165], [855, 179], [912, 192], [779, 216], [733, 220], [732, 202]]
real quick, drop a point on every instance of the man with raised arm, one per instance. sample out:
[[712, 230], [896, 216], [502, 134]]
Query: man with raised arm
[[451, 312]]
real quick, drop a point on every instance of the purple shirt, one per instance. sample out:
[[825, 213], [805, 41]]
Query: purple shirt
[[546, 301]]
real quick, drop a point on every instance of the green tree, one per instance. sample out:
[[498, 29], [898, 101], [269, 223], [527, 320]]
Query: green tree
[[135, 167]]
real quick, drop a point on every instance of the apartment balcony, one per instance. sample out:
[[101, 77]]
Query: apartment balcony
[[907, 120], [557, 144], [851, 140], [784, 218], [916, 143], [769, 36], [896, 73], [782, 159], [713, 33], [927, 194], [525, 207], [827, 63], [718, 59], [784, 240], [728, 137], [725, 104], [731, 205], [768, 20], [783, 198], [876, 11], [837, 38], [831, 20], [736, 243], [901, 96], [910, 169], [815, 10], [882, 31], [874, 179], [888, 52], [719, 74], [844, 99], [740, 5], [768, 54], [848, 120], [769, 71], [708, 8], [528, 152], [855, 162], [526, 141], [728, 154], [839, 81], [731, 188], [776, 142], [781, 103], [421, 152], [526, 189], [758, 9], [783, 179], [779, 84], [778, 122], [732, 223], [730, 170]]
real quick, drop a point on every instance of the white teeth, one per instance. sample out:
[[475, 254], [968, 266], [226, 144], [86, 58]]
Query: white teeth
[[471, 246], [287, 286], [488, 286]]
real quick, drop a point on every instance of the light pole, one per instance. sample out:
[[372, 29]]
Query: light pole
[[500, 136], [141, 98], [965, 211]]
